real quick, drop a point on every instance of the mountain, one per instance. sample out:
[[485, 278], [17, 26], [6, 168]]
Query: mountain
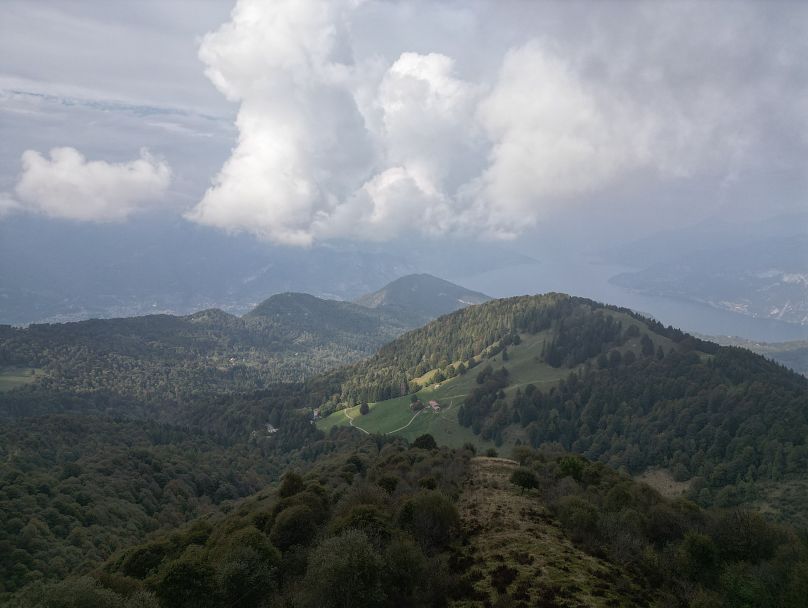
[[129, 364], [764, 278], [600, 381], [51, 271], [307, 313], [421, 297]]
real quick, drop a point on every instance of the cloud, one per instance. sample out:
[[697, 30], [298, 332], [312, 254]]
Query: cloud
[[7, 204], [67, 185], [345, 134]]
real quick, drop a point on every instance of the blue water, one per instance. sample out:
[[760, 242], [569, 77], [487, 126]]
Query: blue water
[[589, 279]]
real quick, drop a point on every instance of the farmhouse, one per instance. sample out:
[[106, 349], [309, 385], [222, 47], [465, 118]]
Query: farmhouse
[[434, 405]]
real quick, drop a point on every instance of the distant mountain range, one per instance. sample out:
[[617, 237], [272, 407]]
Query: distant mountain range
[[51, 274], [288, 337], [765, 278]]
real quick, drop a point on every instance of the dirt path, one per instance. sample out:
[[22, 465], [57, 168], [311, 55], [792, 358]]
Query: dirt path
[[350, 421], [401, 428]]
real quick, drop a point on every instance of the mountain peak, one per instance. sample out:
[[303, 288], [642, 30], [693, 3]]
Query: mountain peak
[[422, 295]]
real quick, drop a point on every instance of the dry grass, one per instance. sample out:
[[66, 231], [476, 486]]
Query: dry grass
[[664, 483], [519, 556]]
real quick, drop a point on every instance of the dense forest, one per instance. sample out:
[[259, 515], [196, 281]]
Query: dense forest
[[74, 488], [384, 524], [726, 423], [134, 363]]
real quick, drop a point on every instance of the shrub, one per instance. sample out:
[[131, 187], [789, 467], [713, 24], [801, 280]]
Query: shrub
[[525, 479], [431, 518], [425, 442]]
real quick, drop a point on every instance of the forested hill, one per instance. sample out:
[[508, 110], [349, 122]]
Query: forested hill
[[421, 297], [383, 524], [577, 329], [731, 424], [286, 338], [167, 358]]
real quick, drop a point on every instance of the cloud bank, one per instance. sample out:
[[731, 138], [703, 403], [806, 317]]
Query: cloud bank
[[67, 185], [341, 135]]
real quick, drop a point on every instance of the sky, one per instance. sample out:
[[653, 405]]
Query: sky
[[302, 122]]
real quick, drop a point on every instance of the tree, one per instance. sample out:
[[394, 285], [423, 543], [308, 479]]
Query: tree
[[525, 479], [647, 346], [344, 572], [364, 409], [291, 484], [388, 483], [425, 442], [186, 582], [405, 571], [247, 567], [295, 525]]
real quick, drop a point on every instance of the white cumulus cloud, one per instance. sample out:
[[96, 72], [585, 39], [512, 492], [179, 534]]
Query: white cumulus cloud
[[343, 133], [67, 185]]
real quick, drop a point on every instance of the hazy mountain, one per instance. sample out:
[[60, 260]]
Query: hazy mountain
[[764, 278], [58, 271], [421, 297]]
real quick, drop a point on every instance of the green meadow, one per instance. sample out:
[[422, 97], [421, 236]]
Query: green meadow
[[525, 366], [395, 416], [12, 377]]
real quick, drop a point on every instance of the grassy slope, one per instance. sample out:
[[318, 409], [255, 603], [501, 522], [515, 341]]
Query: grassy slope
[[12, 377], [513, 533], [524, 364]]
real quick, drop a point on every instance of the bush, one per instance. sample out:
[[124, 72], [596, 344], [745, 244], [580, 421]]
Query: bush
[[525, 479], [578, 516], [291, 484], [425, 442], [431, 518]]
